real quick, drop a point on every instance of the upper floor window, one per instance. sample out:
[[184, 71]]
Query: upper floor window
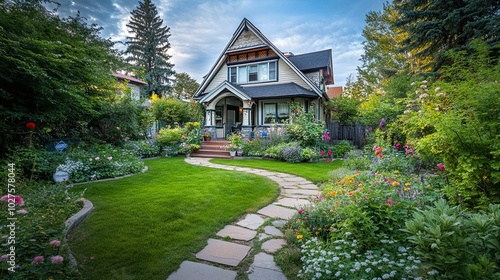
[[251, 73]]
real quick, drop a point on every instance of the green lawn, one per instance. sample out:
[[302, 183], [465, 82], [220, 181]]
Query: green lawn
[[144, 226], [313, 171]]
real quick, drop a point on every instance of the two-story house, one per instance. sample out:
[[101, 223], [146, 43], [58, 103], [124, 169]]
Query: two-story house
[[252, 82]]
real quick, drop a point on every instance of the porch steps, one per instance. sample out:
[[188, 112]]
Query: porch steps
[[212, 149]]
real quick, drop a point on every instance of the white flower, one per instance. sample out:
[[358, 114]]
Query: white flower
[[368, 270], [437, 89], [433, 272], [338, 274]]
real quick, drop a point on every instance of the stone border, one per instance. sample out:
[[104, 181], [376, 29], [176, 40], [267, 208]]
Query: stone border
[[71, 223]]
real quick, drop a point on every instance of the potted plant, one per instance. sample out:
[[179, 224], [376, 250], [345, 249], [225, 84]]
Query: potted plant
[[206, 135], [235, 143]]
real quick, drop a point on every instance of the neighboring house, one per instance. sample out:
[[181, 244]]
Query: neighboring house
[[134, 84], [252, 82]]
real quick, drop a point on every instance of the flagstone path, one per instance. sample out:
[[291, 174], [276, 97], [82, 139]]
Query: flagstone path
[[220, 259]]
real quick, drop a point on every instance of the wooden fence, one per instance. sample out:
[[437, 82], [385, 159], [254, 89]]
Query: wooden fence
[[355, 133]]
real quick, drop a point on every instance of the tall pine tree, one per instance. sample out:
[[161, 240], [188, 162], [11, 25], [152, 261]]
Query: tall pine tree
[[147, 49]]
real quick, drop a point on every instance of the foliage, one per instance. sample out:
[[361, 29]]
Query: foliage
[[435, 27], [148, 48], [254, 147], [184, 86], [292, 154], [309, 153], [169, 136], [457, 245], [99, 162], [457, 120], [143, 149], [304, 128], [235, 142], [170, 111], [276, 151], [38, 229], [56, 72], [342, 148], [342, 259], [344, 109]]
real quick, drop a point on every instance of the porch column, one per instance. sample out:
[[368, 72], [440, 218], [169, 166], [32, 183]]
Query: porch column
[[209, 117], [247, 117]]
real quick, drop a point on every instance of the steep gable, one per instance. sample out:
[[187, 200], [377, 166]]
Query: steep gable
[[248, 44]]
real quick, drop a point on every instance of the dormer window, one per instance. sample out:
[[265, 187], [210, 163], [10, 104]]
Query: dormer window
[[253, 73]]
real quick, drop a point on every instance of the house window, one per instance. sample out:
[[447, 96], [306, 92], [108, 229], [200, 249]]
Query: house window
[[276, 112], [251, 73]]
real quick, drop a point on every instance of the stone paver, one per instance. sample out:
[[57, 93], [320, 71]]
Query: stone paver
[[295, 192], [264, 260], [251, 221], [273, 231], [237, 233], [194, 270], [265, 274], [275, 211], [273, 245], [301, 192], [223, 252], [293, 202]]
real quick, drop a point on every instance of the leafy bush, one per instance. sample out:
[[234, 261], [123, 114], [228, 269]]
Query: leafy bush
[[356, 161], [39, 230], [292, 154], [309, 154], [276, 151], [457, 245], [305, 128], [342, 148], [254, 147], [169, 136], [142, 149]]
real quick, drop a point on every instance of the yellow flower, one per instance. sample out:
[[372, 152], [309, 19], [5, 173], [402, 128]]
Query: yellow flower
[[407, 184], [317, 233], [406, 189], [300, 236], [395, 183], [396, 171]]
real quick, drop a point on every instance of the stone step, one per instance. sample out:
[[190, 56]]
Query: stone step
[[223, 252]]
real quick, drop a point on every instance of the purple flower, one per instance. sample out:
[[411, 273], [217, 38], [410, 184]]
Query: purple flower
[[55, 243], [301, 211], [37, 259], [397, 146], [57, 259], [21, 211], [382, 123], [4, 257]]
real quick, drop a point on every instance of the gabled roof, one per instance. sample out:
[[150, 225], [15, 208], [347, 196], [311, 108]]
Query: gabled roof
[[129, 78], [244, 26], [312, 61]]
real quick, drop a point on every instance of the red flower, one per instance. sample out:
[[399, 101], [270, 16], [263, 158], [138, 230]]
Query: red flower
[[440, 166], [31, 125], [389, 202]]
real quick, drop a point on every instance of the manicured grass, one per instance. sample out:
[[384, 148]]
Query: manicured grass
[[144, 226], [313, 171]]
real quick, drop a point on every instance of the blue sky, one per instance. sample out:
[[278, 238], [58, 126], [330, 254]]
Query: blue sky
[[201, 28]]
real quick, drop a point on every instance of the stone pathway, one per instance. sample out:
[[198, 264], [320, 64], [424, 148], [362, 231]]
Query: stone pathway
[[219, 260]]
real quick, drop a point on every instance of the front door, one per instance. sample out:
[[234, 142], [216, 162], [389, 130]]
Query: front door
[[231, 120]]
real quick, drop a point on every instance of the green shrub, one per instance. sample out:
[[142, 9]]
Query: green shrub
[[142, 149], [456, 244], [357, 161], [305, 128], [254, 147], [309, 154], [292, 154], [342, 148], [169, 136], [276, 151]]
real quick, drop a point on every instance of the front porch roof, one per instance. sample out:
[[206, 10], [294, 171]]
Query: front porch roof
[[286, 90], [277, 91]]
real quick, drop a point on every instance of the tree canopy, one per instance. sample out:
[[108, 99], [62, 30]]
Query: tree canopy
[[184, 86], [55, 71], [147, 48]]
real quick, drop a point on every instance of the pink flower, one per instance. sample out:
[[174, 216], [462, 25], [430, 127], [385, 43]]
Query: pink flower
[[301, 211], [328, 160], [440, 166], [4, 258], [330, 153], [57, 259], [389, 202], [4, 236], [18, 200], [37, 259], [110, 158], [97, 158], [322, 153], [21, 211], [55, 243], [397, 146], [326, 136]]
